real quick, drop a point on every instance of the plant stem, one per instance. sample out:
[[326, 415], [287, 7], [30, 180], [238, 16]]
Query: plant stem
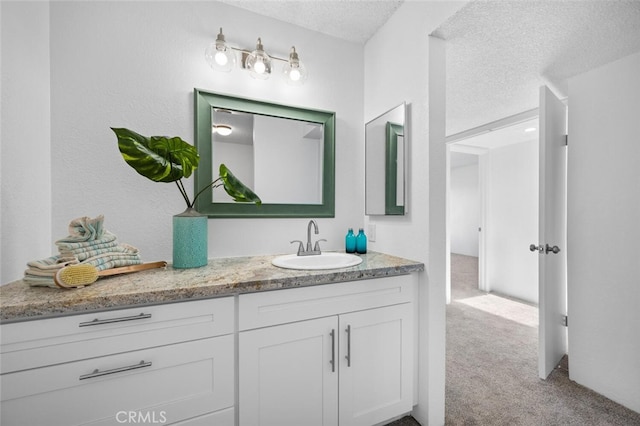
[[184, 193], [211, 185]]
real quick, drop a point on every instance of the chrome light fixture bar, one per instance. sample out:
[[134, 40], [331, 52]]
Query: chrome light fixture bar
[[221, 57]]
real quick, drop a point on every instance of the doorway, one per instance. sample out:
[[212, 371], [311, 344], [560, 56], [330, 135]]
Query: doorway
[[493, 204]]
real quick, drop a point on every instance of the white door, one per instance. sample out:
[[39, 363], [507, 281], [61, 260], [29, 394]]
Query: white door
[[552, 286], [376, 365], [288, 374]]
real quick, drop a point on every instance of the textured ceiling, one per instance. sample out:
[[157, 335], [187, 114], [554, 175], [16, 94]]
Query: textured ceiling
[[352, 20], [500, 52]]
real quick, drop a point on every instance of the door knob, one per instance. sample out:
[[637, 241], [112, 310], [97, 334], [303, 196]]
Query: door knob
[[554, 249], [535, 247], [546, 249]]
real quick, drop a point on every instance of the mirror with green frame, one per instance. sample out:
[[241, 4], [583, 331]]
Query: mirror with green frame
[[285, 154], [385, 148]]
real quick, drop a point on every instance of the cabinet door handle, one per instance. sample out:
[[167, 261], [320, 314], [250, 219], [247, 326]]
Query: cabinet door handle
[[348, 355], [333, 350], [98, 373], [111, 320]]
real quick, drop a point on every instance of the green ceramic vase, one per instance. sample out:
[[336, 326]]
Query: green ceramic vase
[[190, 238]]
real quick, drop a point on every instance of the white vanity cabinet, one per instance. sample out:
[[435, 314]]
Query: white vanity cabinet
[[165, 364], [338, 354]]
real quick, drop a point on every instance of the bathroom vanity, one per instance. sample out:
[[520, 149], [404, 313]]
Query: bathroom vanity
[[238, 341]]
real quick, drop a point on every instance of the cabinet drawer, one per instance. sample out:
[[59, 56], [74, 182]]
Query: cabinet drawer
[[168, 384], [39, 343], [289, 305]]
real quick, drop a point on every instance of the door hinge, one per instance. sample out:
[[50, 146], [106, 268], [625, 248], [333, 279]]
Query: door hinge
[[565, 320], [566, 140]]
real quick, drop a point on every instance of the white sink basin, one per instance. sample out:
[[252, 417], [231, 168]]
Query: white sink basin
[[327, 260]]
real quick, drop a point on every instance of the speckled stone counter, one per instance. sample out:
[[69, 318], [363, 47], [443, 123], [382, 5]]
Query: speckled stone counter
[[221, 277]]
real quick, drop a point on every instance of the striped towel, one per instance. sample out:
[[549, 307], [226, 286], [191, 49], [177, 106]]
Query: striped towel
[[88, 243], [84, 229], [41, 272]]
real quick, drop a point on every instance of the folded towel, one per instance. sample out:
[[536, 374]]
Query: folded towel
[[85, 229], [116, 263], [88, 243], [35, 281], [52, 263], [128, 256], [106, 240], [83, 254]]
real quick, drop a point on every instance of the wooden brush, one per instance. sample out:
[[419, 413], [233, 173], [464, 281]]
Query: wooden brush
[[80, 275]]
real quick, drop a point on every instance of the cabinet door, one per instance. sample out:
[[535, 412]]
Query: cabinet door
[[376, 365], [288, 374]]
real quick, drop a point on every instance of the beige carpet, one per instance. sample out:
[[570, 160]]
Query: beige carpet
[[492, 356], [492, 374]]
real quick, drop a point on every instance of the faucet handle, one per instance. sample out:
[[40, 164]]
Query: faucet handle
[[300, 246], [317, 246]]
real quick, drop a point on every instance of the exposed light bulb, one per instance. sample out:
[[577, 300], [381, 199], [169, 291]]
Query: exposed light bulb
[[258, 62], [220, 56], [294, 72], [259, 67], [221, 59]]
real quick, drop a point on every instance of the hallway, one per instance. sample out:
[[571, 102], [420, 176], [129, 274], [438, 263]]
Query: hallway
[[491, 365]]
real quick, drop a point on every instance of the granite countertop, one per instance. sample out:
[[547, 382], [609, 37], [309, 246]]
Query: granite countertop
[[221, 277]]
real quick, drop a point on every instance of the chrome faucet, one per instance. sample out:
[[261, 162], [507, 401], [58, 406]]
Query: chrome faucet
[[309, 250]]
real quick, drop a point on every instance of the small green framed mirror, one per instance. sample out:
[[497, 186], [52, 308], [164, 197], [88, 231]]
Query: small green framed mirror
[[385, 162], [285, 154]]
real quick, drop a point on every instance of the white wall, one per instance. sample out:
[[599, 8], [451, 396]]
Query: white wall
[[135, 64], [603, 230], [25, 171], [406, 35], [512, 221], [464, 217]]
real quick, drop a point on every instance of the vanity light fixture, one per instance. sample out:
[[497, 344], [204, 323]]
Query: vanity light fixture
[[221, 57], [221, 129]]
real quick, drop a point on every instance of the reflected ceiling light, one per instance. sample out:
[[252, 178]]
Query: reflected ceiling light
[[530, 129], [221, 57], [221, 129]]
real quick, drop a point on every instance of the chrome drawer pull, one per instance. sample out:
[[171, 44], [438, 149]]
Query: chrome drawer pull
[[98, 373], [333, 351], [111, 320], [348, 355]]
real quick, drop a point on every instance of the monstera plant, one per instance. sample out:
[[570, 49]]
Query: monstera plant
[[164, 159]]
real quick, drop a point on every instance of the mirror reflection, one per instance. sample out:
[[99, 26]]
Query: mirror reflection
[[285, 154], [385, 147], [286, 169]]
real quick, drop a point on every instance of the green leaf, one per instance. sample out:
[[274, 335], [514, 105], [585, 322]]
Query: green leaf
[[158, 158], [236, 189]]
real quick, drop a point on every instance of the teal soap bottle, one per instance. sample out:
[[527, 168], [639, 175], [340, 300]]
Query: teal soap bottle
[[350, 242], [361, 242]]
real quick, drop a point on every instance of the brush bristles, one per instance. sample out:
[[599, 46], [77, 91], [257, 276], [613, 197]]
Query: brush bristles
[[77, 275]]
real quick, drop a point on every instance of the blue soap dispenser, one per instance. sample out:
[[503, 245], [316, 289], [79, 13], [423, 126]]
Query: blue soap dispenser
[[361, 242], [350, 242]]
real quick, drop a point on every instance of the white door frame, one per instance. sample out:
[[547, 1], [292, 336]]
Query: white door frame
[[455, 143]]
